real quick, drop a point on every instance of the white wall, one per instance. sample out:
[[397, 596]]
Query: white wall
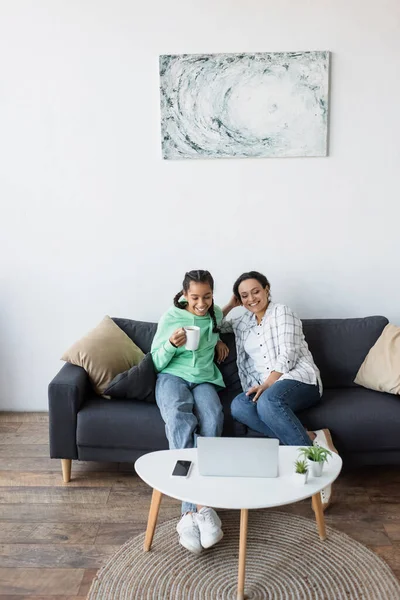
[[94, 222]]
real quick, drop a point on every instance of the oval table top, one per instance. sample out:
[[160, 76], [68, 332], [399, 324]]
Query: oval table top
[[156, 469]]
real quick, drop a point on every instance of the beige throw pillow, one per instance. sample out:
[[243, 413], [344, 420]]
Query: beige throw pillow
[[104, 352], [381, 368]]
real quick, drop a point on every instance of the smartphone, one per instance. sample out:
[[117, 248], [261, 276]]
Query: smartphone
[[182, 468]]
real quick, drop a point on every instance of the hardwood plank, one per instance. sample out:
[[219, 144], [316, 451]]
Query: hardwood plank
[[49, 556], [23, 417], [51, 495], [34, 437], [24, 451], [385, 511], [33, 428], [341, 487], [45, 582], [390, 492], [53, 464], [119, 533], [49, 533], [88, 577], [363, 511], [9, 428], [391, 555], [393, 531], [12, 597], [79, 479], [130, 497], [340, 495], [388, 499], [367, 533], [130, 494], [71, 513]]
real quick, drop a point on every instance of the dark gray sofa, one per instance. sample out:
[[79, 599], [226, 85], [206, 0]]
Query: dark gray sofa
[[365, 424]]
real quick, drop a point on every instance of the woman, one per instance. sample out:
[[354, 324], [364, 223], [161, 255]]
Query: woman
[[276, 368], [186, 389]]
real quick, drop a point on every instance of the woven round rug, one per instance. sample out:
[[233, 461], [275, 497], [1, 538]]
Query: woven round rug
[[285, 560]]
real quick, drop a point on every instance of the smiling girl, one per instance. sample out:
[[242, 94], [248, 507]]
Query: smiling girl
[[186, 389]]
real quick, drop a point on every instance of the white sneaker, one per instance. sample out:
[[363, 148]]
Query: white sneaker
[[189, 534], [323, 439], [209, 526]]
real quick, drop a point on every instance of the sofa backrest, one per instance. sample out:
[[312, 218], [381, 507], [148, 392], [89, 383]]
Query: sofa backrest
[[339, 346], [140, 332]]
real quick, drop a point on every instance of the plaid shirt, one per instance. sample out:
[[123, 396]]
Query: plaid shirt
[[284, 347]]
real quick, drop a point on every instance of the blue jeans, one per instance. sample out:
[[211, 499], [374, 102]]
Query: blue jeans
[[188, 410], [274, 413]]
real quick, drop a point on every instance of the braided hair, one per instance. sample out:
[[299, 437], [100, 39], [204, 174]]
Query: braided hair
[[197, 276]]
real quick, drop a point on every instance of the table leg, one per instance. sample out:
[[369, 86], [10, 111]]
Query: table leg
[[244, 517], [152, 519], [319, 515]]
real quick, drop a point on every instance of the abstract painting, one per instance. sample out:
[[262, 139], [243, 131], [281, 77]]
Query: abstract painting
[[271, 104]]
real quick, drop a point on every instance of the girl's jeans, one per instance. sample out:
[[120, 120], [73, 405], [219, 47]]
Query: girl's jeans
[[188, 409]]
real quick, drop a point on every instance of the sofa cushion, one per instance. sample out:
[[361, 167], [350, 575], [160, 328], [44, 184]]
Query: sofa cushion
[[360, 420], [380, 370], [120, 424], [339, 346], [104, 352], [137, 425], [138, 383]]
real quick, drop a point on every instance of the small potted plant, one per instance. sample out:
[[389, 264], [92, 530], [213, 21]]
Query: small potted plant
[[316, 456], [300, 471]]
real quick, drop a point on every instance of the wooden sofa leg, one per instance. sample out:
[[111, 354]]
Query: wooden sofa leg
[[66, 464]]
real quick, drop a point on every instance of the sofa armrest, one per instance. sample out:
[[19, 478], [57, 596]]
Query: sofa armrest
[[67, 393]]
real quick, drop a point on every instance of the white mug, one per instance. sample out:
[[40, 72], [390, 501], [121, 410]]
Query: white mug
[[192, 337]]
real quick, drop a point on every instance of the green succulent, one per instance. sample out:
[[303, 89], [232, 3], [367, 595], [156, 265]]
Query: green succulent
[[316, 453], [301, 466]]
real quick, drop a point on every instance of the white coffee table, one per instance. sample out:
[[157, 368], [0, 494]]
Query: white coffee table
[[242, 493]]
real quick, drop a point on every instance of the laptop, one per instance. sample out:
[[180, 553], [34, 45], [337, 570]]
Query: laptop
[[237, 457]]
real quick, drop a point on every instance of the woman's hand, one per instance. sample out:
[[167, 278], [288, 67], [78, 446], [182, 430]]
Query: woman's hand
[[257, 390], [178, 338], [233, 303], [221, 351]]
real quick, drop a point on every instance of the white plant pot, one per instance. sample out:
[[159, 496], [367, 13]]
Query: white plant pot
[[300, 478], [316, 468]]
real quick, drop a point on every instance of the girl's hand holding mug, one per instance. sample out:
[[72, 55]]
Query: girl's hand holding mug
[[178, 338]]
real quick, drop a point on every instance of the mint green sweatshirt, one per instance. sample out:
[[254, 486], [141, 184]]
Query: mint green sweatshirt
[[196, 366]]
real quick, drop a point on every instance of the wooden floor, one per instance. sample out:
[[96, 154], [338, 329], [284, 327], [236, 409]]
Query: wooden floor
[[54, 536]]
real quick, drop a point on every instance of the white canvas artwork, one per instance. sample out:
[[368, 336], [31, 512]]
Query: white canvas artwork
[[244, 105]]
